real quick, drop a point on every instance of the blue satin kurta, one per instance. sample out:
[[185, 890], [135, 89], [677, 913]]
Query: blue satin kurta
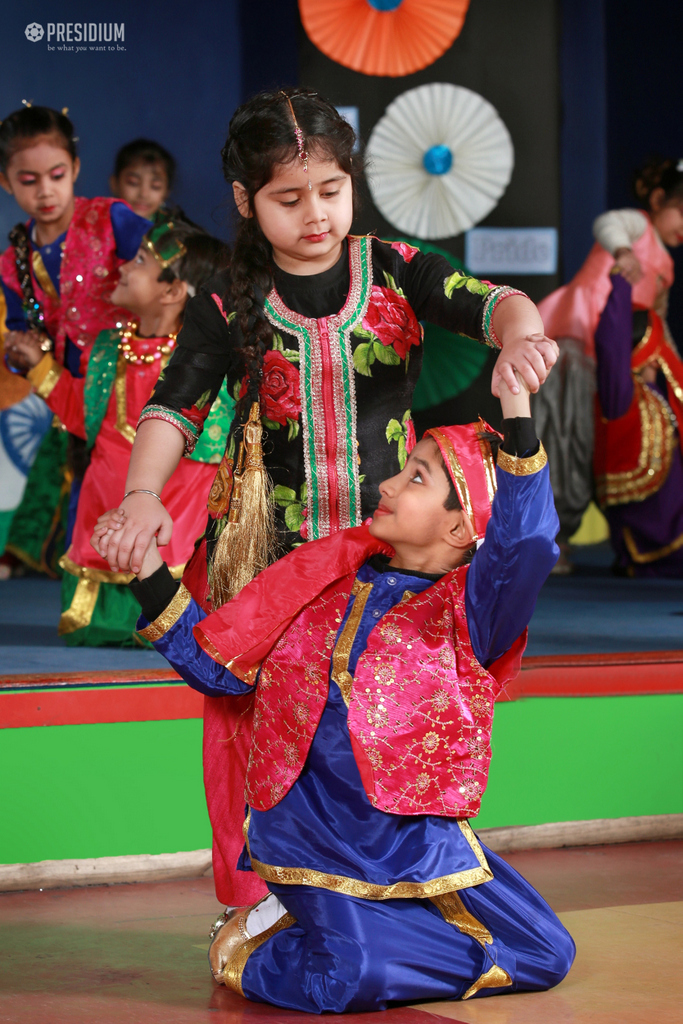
[[348, 953]]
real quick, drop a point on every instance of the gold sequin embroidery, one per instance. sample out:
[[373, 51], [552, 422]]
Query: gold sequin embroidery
[[170, 615], [522, 467]]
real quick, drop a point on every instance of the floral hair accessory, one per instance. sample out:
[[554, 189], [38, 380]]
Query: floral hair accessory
[[470, 464], [163, 245], [300, 141]]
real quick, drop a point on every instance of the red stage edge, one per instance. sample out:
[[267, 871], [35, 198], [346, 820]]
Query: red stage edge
[[87, 698]]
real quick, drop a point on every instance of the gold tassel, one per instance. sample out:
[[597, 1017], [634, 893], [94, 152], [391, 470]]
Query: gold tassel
[[247, 542]]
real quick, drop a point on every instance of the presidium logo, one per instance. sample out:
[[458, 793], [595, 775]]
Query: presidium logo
[[70, 32]]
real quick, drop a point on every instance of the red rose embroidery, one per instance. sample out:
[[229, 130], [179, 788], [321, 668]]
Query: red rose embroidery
[[406, 251], [197, 416], [279, 389], [392, 321]]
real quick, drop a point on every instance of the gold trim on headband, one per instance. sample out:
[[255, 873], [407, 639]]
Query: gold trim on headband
[[459, 476]]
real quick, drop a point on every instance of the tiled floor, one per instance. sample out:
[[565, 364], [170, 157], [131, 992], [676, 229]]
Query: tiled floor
[[136, 954]]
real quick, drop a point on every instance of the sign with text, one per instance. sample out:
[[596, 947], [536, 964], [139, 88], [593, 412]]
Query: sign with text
[[511, 250]]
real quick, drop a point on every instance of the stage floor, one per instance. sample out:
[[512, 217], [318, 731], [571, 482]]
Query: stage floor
[[589, 612], [136, 954]]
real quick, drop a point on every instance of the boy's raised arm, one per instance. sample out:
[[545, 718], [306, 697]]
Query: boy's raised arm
[[169, 615], [519, 550]]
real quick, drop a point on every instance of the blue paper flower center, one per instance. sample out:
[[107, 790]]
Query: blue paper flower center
[[385, 5], [437, 160]]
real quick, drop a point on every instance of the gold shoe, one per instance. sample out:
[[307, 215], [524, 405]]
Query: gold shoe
[[227, 935]]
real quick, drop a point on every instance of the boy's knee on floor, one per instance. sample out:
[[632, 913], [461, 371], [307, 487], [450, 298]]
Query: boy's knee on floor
[[560, 956]]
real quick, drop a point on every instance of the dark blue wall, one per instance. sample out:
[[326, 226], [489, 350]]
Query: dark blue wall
[[644, 104], [622, 100], [583, 163], [178, 81]]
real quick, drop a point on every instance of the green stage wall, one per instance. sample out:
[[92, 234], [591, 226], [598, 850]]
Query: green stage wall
[[136, 787]]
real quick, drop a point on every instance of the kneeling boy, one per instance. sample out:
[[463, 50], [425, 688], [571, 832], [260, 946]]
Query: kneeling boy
[[374, 658]]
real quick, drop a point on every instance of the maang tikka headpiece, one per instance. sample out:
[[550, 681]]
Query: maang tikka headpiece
[[300, 142]]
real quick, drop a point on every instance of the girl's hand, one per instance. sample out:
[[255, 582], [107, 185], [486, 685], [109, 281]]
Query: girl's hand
[[124, 546], [628, 265], [108, 522], [23, 349], [531, 357]]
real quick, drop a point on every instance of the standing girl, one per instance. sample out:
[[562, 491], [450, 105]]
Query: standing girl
[[318, 334], [57, 277], [103, 408], [634, 242]]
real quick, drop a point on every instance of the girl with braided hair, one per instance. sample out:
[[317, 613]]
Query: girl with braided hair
[[318, 334]]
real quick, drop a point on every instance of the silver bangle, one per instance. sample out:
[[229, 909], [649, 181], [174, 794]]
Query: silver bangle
[[142, 490]]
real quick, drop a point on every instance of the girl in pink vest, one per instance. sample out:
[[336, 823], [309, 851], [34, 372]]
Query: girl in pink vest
[[368, 663], [634, 242], [57, 277]]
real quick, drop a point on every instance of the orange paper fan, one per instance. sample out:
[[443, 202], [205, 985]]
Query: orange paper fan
[[383, 37]]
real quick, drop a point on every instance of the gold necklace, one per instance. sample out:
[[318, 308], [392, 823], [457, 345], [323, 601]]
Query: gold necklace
[[126, 350]]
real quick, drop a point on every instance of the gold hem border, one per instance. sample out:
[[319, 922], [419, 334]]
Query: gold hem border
[[495, 977], [105, 575], [79, 613], [370, 890], [645, 557], [234, 969], [454, 911]]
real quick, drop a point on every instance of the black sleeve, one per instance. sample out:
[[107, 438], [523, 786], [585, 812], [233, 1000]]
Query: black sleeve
[[204, 356], [458, 307], [519, 437], [155, 593]]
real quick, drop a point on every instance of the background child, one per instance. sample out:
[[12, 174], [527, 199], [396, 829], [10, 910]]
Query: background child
[[103, 408], [57, 278], [637, 241], [143, 176], [374, 658], [317, 332], [639, 426]]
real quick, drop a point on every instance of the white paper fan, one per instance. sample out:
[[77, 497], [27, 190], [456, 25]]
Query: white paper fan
[[439, 160]]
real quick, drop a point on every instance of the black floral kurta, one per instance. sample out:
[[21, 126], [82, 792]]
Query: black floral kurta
[[337, 384]]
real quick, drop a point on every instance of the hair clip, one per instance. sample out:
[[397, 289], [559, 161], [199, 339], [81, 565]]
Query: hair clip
[[65, 111], [27, 103], [300, 143]]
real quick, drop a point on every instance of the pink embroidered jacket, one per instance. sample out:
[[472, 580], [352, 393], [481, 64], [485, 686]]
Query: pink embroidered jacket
[[87, 277], [420, 704]]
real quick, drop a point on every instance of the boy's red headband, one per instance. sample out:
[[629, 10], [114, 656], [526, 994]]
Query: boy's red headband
[[472, 469]]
